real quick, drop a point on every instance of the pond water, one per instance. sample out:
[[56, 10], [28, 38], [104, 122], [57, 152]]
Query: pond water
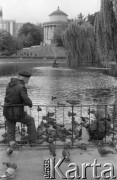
[[88, 87]]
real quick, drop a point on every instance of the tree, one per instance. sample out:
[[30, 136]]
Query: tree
[[105, 30], [115, 7], [91, 18], [81, 17], [18, 43], [79, 40], [27, 40], [41, 30], [7, 43], [31, 32]]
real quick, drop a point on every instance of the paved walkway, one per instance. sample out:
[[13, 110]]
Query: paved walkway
[[30, 162]]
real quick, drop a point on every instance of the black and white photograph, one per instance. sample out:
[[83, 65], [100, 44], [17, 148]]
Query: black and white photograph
[[58, 89]]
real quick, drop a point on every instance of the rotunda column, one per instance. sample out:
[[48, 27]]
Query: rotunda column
[[44, 33]]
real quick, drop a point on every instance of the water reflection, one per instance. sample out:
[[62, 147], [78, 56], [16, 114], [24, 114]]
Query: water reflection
[[87, 87]]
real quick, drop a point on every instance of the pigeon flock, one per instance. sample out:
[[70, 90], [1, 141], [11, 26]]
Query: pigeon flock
[[50, 131]]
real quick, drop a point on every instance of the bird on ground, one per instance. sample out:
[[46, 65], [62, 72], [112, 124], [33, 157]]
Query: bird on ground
[[52, 148], [10, 170], [11, 165], [115, 147], [114, 144], [82, 146], [66, 153], [102, 151], [9, 151], [68, 143], [12, 146]]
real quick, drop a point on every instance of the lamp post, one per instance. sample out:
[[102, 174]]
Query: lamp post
[[1, 19]]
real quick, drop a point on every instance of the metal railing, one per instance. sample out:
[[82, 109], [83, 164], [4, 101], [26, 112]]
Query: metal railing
[[62, 123]]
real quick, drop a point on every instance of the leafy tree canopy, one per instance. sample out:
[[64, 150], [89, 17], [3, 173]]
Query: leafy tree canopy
[[32, 33], [7, 43], [91, 18]]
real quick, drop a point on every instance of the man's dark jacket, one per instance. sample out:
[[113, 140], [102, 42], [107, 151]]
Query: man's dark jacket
[[15, 99]]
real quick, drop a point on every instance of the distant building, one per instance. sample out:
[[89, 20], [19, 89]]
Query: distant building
[[9, 25], [17, 27], [56, 18]]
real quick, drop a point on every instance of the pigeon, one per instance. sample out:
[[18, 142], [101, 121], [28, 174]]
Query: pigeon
[[60, 104], [115, 147], [12, 146], [82, 146], [50, 114], [11, 165], [102, 151], [71, 114], [10, 170], [9, 173], [53, 97], [73, 102], [52, 148], [9, 151], [66, 153], [39, 108], [68, 143], [112, 144]]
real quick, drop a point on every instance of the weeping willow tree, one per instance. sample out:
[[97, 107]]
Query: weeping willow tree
[[115, 7], [79, 41], [105, 31]]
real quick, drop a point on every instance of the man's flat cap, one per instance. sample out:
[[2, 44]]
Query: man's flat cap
[[25, 74]]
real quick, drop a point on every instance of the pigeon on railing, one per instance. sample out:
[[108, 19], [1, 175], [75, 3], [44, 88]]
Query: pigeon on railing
[[50, 114], [60, 104], [71, 113], [53, 97], [39, 108]]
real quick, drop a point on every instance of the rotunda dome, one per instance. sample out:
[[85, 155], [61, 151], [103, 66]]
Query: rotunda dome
[[58, 15], [58, 12]]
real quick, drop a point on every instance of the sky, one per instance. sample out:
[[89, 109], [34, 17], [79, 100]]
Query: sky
[[37, 11]]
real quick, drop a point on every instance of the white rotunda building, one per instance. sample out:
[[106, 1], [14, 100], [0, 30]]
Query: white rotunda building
[[56, 18]]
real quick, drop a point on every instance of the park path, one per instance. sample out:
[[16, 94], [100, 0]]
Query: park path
[[30, 161]]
